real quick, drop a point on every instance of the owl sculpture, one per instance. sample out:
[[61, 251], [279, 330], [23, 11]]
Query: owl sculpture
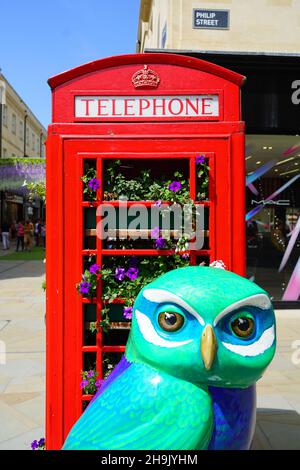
[[200, 339]]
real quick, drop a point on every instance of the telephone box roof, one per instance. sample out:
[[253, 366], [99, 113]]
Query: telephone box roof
[[152, 58]]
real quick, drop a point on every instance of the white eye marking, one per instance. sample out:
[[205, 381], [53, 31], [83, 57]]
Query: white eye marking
[[150, 334], [159, 295], [265, 342], [258, 300]]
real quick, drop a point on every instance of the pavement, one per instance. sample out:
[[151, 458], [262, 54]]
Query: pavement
[[22, 331], [22, 378]]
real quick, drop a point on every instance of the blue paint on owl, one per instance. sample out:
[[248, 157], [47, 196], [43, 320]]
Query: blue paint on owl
[[234, 416]]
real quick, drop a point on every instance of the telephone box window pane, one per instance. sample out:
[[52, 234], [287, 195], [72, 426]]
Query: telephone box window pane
[[89, 217], [89, 336], [89, 172], [110, 360], [85, 404], [89, 317], [202, 178], [203, 260], [89, 311], [89, 239], [139, 180], [116, 337], [89, 361]]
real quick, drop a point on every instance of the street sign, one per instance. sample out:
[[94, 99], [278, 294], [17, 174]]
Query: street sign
[[210, 19]]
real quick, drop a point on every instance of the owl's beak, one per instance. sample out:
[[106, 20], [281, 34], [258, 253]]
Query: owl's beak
[[208, 346]]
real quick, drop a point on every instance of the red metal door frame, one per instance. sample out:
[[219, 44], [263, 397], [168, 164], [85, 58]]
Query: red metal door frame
[[226, 238]]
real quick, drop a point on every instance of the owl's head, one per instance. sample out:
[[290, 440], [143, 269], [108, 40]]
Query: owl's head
[[205, 325]]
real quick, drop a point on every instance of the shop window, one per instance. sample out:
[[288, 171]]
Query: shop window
[[273, 215]]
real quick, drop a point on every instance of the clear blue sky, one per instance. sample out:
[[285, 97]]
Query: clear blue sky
[[40, 38]]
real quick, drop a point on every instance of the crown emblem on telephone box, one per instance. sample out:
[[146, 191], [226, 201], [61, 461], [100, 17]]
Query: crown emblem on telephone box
[[145, 78]]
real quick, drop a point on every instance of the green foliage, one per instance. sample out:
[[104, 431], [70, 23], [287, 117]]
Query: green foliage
[[143, 187], [23, 160], [149, 269], [89, 382], [203, 175], [36, 189], [89, 194], [89, 281]]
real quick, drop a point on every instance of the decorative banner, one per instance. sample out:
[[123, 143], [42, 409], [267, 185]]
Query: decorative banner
[[291, 150], [190, 106], [260, 171], [253, 189], [289, 248], [292, 291]]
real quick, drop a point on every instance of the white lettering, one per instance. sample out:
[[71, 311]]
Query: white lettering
[[296, 94]]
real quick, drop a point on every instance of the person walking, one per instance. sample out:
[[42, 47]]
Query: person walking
[[13, 230], [43, 234], [28, 235], [20, 235], [5, 231], [37, 232]]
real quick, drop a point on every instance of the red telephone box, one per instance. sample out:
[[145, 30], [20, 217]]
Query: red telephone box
[[160, 108]]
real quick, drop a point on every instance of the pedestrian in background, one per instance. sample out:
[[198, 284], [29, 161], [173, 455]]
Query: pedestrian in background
[[37, 232], [28, 235], [20, 235], [13, 230], [43, 234], [5, 231]]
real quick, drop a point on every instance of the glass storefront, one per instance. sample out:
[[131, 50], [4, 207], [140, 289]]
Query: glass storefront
[[273, 214]]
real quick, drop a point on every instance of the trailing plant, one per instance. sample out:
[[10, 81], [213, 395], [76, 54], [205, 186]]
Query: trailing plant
[[90, 184], [143, 187], [123, 277], [203, 175], [88, 285], [90, 383], [38, 444]]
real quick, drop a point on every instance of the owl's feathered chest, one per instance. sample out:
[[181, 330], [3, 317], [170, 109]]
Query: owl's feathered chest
[[234, 417]]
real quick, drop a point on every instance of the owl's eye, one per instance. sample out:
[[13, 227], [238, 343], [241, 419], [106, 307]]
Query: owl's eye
[[170, 321], [243, 326]]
